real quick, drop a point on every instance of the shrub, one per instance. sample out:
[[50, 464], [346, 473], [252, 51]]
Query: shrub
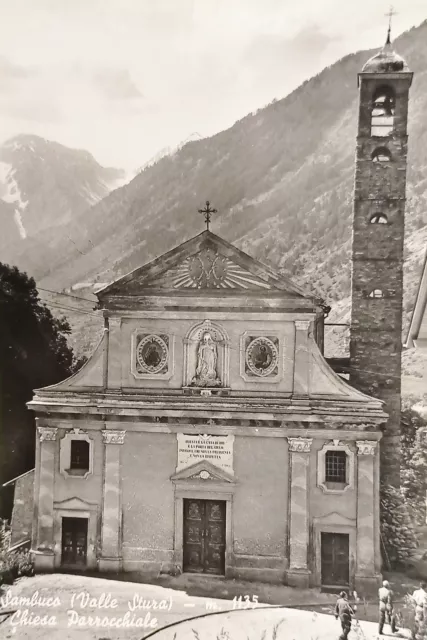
[[13, 564], [413, 471]]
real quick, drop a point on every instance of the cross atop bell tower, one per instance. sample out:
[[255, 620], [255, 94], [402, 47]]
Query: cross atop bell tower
[[378, 234], [390, 14]]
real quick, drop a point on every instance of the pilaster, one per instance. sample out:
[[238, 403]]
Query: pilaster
[[111, 523], [301, 359], [298, 574], [366, 578], [115, 352], [44, 553]]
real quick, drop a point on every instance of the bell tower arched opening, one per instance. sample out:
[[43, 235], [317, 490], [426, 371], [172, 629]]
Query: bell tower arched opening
[[383, 111]]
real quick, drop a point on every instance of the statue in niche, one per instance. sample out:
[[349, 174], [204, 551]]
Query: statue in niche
[[207, 358]]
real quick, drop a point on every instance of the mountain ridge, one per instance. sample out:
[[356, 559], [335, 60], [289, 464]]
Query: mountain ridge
[[43, 185]]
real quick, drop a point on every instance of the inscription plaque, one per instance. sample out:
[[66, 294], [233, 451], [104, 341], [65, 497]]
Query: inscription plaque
[[218, 450]]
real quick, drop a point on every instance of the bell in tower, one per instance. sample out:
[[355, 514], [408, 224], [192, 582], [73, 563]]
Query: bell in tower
[[378, 235]]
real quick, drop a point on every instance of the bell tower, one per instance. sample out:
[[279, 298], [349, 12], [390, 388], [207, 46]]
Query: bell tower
[[377, 247]]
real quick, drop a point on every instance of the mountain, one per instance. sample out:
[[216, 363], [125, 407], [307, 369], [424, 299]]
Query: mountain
[[167, 151], [43, 186]]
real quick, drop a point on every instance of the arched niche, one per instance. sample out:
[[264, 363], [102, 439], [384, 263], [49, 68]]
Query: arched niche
[[197, 335]]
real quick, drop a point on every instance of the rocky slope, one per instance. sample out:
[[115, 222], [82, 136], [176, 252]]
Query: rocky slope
[[43, 187]]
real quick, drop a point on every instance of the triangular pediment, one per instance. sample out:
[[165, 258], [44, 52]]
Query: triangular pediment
[[334, 519], [203, 471], [75, 504], [205, 262]]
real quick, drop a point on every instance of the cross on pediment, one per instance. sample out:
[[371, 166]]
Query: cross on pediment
[[207, 212]]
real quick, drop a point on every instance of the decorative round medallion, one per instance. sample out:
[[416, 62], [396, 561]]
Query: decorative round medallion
[[152, 354], [261, 356], [204, 475]]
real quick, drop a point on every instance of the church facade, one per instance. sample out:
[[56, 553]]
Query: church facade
[[207, 434]]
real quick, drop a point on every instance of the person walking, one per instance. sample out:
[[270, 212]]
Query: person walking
[[419, 599], [386, 608], [344, 612]]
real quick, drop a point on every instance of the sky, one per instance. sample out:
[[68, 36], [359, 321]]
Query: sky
[[126, 79]]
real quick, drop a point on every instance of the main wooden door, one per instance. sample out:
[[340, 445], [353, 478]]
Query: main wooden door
[[335, 559], [204, 536], [74, 541]]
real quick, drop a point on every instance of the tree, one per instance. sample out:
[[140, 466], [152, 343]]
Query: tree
[[402, 510], [413, 471], [397, 531], [33, 354]]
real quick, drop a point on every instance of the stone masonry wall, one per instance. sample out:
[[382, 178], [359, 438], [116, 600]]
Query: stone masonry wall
[[375, 338]]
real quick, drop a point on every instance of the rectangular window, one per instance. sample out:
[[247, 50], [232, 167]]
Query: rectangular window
[[335, 466], [79, 455]]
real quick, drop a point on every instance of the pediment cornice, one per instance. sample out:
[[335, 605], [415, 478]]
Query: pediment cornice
[[203, 471], [75, 504]]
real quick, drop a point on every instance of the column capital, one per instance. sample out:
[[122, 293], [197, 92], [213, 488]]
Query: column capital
[[115, 321], [300, 445], [366, 447], [302, 325], [47, 433], [113, 437]]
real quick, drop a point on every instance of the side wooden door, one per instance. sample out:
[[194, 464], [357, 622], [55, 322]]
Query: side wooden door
[[335, 559], [74, 541]]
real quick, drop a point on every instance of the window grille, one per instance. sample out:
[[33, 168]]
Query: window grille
[[335, 466]]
